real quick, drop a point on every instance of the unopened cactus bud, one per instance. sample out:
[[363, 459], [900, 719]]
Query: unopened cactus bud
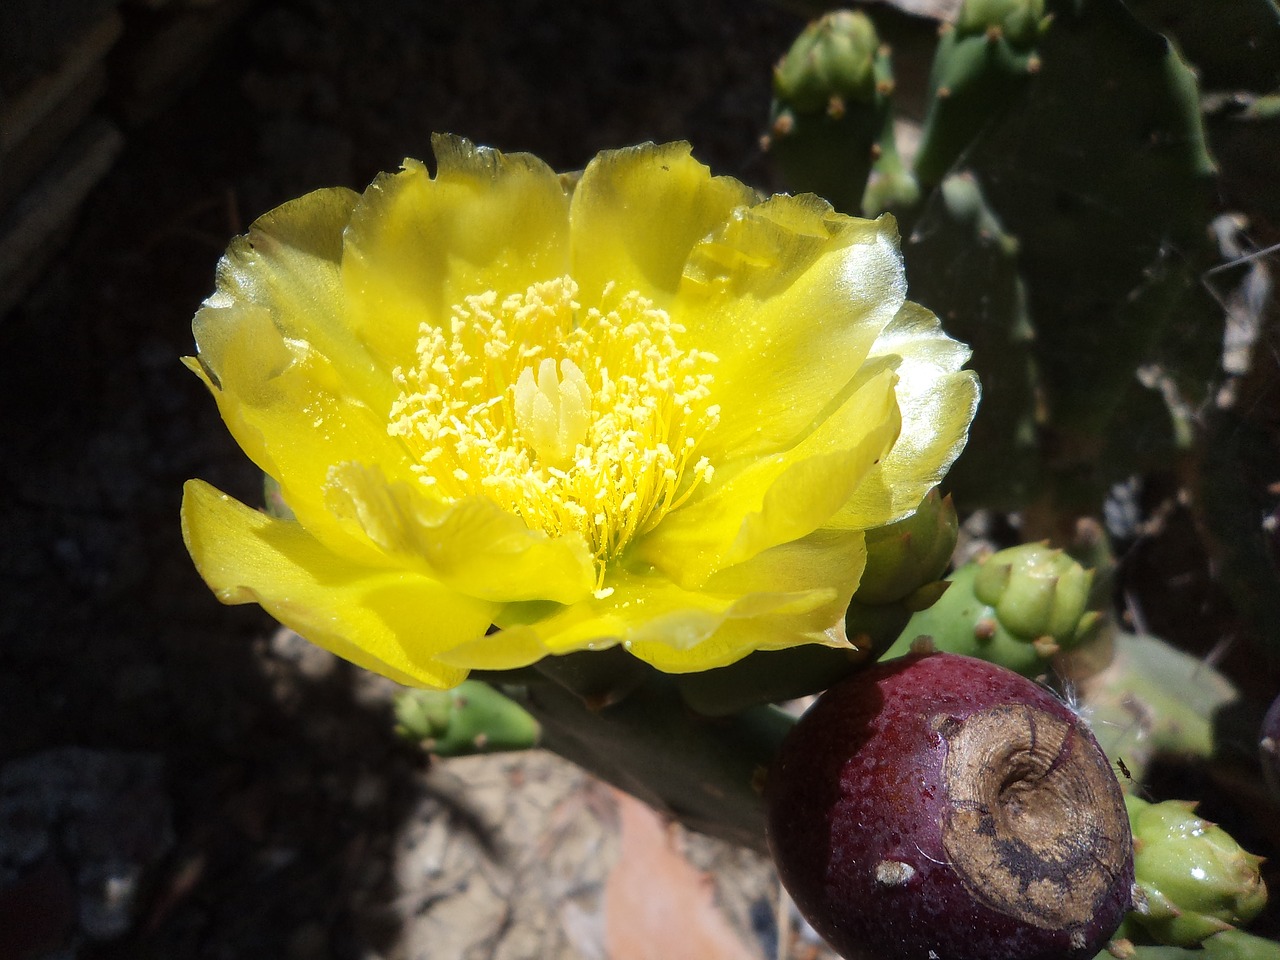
[[831, 108], [1194, 879], [1019, 21], [1040, 594], [1017, 608], [833, 57], [471, 718]]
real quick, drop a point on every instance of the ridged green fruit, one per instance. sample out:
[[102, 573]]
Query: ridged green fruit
[[1016, 608], [833, 57], [1195, 880]]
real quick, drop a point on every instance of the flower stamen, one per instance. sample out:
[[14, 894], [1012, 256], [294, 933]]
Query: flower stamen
[[583, 422]]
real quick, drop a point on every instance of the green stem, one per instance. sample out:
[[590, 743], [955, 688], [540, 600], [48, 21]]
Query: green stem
[[706, 772]]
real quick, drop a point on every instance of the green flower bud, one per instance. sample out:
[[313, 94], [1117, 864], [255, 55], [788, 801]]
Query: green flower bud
[[1019, 21], [833, 58], [1195, 880], [904, 556], [471, 718], [1040, 595], [1017, 608]]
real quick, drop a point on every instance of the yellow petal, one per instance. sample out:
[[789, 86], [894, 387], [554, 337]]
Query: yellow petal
[[638, 212], [470, 545], [295, 386], [823, 558], [792, 594], [418, 245], [937, 400], [679, 631], [509, 649], [289, 408], [289, 264], [388, 620], [790, 297], [781, 497]]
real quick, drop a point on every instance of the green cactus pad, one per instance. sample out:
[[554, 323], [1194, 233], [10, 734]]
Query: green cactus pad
[[976, 77], [1107, 194], [963, 265], [1234, 44]]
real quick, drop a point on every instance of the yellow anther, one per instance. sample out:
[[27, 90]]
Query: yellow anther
[[579, 421]]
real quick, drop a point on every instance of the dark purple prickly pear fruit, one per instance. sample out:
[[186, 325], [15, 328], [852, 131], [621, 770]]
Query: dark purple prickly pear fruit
[[939, 807]]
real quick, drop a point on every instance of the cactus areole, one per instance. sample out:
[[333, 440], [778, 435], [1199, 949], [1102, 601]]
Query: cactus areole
[[938, 807]]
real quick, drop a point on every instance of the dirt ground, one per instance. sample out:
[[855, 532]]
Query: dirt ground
[[185, 780]]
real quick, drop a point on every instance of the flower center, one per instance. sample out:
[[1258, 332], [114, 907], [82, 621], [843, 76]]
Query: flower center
[[577, 421]]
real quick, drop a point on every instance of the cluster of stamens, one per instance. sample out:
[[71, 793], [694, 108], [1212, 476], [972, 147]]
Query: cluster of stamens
[[577, 421]]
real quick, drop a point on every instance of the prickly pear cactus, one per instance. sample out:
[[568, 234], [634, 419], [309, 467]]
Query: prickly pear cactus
[[965, 265], [1234, 45], [1107, 195], [471, 718], [1063, 180]]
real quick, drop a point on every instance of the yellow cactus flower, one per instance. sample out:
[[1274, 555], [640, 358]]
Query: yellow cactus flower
[[513, 416]]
